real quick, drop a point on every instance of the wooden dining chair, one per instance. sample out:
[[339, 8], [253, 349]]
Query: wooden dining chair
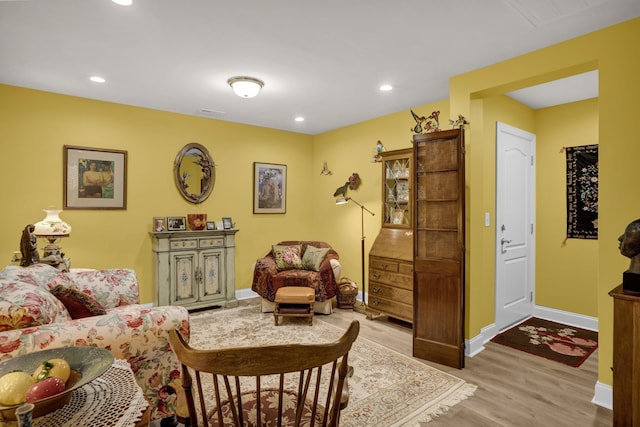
[[287, 384]]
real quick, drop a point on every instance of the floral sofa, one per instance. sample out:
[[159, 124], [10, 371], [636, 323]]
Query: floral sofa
[[100, 309], [298, 263]]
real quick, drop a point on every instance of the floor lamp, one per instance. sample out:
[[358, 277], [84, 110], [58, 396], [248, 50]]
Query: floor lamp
[[342, 201]]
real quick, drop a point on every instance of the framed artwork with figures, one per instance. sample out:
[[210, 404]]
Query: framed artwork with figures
[[269, 188], [94, 178]]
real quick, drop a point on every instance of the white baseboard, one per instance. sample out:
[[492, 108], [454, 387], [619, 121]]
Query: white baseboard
[[245, 293], [603, 393]]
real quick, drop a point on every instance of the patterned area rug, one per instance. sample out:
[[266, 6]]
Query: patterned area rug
[[387, 388], [551, 340]]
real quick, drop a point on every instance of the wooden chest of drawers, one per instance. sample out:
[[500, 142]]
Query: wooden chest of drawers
[[391, 287]]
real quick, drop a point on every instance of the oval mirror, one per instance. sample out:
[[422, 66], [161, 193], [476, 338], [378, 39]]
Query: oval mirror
[[194, 172]]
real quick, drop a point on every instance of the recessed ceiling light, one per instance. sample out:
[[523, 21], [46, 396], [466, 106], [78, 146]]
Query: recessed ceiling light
[[386, 88], [299, 119], [123, 2], [97, 79]]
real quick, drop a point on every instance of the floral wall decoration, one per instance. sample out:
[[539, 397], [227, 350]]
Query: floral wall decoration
[[582, 192]]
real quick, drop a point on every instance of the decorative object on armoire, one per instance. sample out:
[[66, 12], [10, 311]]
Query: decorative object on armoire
[[439, 253], [391, 255], [325, 169], [426, 124], [195, 270], [629, 245], [53, 228], [379, 149], [460, 122], [269, 188], [554, 341], [582, 191], [197, 222], [341, 201], [159, 224], [227, 223], [176, 223], [194, 172], [29, 247], [94, 178]]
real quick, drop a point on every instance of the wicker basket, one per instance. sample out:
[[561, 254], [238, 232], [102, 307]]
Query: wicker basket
[[347, 292]]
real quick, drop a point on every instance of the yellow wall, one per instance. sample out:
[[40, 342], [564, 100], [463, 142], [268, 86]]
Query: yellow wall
[[348, 150], [35, 125], [608, 51], [566, 271]]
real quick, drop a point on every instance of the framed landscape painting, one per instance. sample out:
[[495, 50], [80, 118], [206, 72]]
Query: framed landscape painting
[[269, 188], [94, 178]]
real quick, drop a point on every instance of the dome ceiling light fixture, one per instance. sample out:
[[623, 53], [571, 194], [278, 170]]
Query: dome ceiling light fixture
[[245, 87]]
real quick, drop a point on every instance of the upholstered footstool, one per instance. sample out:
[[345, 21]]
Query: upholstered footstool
[[294, 301]]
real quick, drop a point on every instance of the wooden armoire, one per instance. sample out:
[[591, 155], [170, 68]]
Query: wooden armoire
[[439, 238]]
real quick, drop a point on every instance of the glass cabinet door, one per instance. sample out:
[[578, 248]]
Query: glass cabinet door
[[396, 197]]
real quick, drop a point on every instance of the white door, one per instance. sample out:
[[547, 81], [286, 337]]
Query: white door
[[515, 216]]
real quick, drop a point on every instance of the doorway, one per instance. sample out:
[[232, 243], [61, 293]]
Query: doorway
[[515, 225]]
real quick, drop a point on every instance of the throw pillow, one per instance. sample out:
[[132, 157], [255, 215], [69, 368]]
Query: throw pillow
[[78, 304], [313, 257], [287, 257], [23, 305]]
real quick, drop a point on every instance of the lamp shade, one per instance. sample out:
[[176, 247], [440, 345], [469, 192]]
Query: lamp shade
[[52, 225], [245, 87]]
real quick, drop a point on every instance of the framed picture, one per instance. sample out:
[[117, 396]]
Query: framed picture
[[176, 223], [211, 225], [94, 178], [227, 224], [159, 224], [269, 188]]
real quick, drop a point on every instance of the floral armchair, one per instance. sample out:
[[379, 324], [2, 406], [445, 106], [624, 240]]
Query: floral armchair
[[298, 263], [33, 319]]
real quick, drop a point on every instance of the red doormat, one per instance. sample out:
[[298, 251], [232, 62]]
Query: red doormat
[[551, 340]]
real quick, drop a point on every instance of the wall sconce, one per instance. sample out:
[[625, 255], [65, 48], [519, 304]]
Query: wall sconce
[[245, 87]]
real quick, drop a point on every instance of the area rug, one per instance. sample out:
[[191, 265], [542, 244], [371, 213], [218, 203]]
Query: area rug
[[387, 388], [565, 344]]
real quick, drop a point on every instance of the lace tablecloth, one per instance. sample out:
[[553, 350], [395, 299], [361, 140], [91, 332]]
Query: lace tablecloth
[[114, 399]]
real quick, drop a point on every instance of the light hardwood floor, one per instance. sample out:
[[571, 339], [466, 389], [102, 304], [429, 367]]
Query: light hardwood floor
[[514, 388]]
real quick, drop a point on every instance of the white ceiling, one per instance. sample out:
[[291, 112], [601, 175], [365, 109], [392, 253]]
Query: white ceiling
[[322, 60]]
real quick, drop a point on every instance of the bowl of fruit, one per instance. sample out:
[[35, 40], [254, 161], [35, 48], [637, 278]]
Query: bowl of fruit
[[47, 378]]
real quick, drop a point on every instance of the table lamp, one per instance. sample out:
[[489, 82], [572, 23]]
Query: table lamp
[[52, 228]]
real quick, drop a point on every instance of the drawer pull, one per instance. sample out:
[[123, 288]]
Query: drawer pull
[[384, 266], [376, 289], [376, 276], [375, 302]]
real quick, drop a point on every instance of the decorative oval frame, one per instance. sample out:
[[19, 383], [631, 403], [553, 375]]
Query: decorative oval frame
[[208, 172]]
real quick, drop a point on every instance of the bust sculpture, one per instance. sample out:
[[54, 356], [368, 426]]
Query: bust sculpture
[[629, 244]]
